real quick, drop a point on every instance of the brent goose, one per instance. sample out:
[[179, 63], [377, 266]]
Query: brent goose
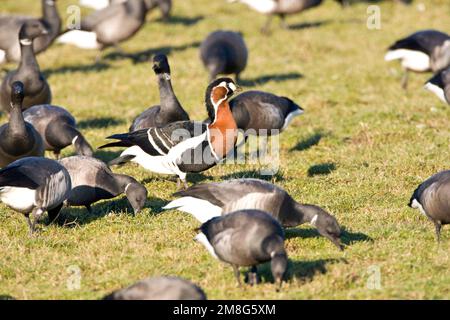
[[164, 5], [37, 90], [159, 288], [57, 128], [107, 27], [169, 110], [184, 146], [34, 185], [246, 238], [280, 8], [426, 50], [92, 181], [208, 200], [432, 198], [10, 26], [18, 139], [440, 85], [224, 52]]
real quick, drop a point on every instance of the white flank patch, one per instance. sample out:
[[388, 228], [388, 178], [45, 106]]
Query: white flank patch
[[20, 199], [155, 164], [2, 56], [412, 60], [314, 220], [437, 91], [416, 205], [290, 117], [263, 6], [201, 209], [95, 4], [81, 39], [204, 241]]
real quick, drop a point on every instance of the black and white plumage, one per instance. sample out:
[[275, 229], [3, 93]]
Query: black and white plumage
[[57, 128], [432, 198], [18, 139], [108, 26], [184, 146], [34, 185], [10, 26], [246, 238], [422, 51], [439, 84], [92, 181], [159, 288], [37, 90], [164, 6], [224, 52], [169, 110], [208, 200]]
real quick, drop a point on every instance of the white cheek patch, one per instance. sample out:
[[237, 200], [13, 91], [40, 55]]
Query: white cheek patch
[[74, 140], [232, 86], [314, 220]]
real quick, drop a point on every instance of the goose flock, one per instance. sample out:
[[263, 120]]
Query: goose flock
[[241, 222]]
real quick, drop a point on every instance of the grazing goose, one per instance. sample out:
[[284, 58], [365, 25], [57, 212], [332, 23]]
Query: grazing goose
[[432, 198], [169, 109], [426, 50], [108, 27], [33, 185], [440, 85], [18, 139], [159, 288], [10, 26], [208, 200], [184, 146], [92, 181], [280, 8], [57, 128], [246, 238], [164, 5], [224, 52], [37, 90]]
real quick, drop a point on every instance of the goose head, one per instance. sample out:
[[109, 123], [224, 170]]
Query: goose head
[[17, 94], [219, 91], [161, 65], [31, 30]]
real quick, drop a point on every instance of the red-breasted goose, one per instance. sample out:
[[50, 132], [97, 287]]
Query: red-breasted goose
[[169, 110], [37, 90], [164, 5], [108, 27], [184, 146], [224, 52], [93, 181], [432, 198], [280, 8], [422, 51], [57, 128], [246, 238], [439, 84], [10, 26], [208, 200], [159, 288], [18, 139], [34, 185]]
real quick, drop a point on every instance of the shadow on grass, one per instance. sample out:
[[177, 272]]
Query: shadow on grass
[[310, 141], [145, 55], [270, 77], [255, 174], [98, 123], [347, 237], [185, 21], [321, 169], [309, 25], [86, 68]]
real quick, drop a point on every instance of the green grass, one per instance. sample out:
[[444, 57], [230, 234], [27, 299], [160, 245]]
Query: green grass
[[359, 151]]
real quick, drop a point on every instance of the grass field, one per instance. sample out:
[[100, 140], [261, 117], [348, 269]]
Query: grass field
[[360, 149]]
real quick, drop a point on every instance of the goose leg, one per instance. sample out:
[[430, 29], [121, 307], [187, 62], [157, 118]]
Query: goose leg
[[237, 274], [405, 80], [438, 226], [30, 224], [266, 28], [57, 154], [283, 23], [182, 185], [253, 276], [36, 213]]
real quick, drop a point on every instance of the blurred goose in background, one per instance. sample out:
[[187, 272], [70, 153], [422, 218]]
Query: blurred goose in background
[[93, 181], [57, 128], [37, 90], [184, 146], [159, 288], [246, 238], [208, 200], [169, 110], [10, 27], [440, 85], [18, 139], [224, 52], [108, 27], [164, 5], [280, 8], [432, 198], [422, 51], [34, 185]]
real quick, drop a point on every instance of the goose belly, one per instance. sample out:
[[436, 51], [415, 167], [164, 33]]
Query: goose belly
[[19, 199], [262, 6], [111, 32]]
